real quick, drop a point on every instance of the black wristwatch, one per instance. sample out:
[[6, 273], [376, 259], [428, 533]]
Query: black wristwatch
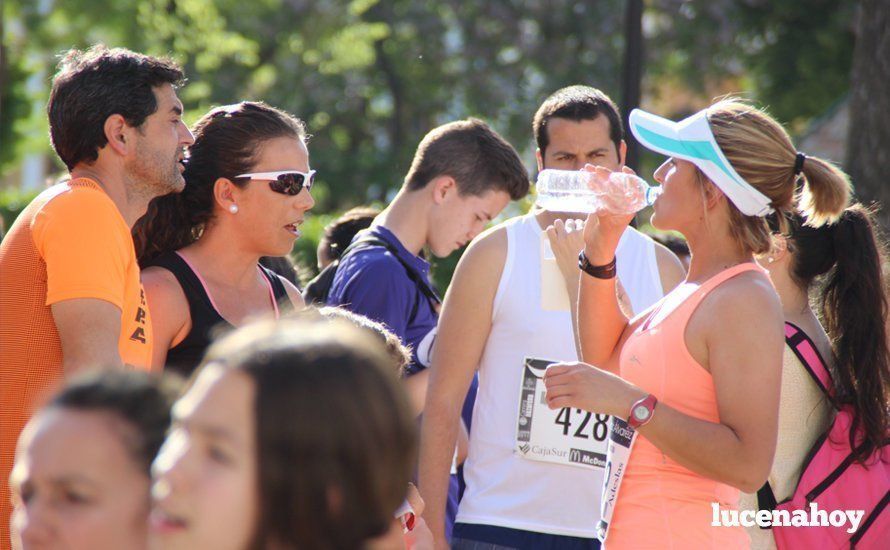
[[608, 271]]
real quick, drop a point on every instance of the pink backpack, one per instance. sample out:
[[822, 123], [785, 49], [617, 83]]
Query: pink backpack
[[831, 479]]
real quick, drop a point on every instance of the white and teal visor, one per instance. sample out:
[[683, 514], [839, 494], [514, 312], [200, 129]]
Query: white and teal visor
[[691, 139]]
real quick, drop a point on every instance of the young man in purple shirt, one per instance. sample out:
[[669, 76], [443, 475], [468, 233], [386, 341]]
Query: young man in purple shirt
[[463, 174]]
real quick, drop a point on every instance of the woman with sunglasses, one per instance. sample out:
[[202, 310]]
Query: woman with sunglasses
[[246, 194]]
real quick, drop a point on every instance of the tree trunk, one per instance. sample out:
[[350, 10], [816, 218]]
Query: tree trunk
[[868, 144], [632, 74], [4, 58]]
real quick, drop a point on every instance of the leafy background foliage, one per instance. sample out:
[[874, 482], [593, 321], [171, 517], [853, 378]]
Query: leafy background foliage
[[371, 77]]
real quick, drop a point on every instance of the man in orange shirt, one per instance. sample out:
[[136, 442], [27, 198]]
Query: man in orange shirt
[[70, 296]]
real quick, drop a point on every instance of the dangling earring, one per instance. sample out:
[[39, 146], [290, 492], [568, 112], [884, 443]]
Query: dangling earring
[[233, 209]]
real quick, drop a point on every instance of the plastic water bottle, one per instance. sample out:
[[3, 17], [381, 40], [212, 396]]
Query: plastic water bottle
[[585, 192]]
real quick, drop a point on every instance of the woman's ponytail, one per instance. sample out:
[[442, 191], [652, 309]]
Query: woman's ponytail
[[826, 193], [854, 311], [170, 223], [762, 153]]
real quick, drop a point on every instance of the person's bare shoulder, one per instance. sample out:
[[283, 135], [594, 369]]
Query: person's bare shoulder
[[489, 245], [742, 314], [746, 302], [482, 263], [161, 280], [293, 293], [167, 302]]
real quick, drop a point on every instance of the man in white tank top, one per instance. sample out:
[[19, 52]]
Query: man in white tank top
[[534, 476]]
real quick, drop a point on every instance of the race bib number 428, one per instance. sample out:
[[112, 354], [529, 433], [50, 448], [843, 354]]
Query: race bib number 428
[[565, 436]]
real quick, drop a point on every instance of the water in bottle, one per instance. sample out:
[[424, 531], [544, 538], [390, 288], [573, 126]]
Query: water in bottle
[[601, 191]]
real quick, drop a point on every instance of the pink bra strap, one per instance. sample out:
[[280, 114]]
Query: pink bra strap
[[271, 293], [201, 279]]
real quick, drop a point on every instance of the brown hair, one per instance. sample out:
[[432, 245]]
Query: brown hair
[[92, 85], [227, 140], [336, 437], [846, 258], [471, 152], [399, 353], [339, 233], [762, 153], [577, 103], [142, 401]]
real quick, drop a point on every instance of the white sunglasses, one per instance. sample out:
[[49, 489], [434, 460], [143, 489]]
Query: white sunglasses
[[286, 182]]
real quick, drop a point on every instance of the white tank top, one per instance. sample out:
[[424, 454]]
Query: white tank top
[[504, 489]]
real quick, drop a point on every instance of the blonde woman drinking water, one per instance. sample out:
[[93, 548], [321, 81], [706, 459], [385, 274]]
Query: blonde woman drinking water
[[698, 374]]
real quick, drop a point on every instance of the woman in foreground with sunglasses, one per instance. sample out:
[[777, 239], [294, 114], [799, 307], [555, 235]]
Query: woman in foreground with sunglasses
[[246, 194]]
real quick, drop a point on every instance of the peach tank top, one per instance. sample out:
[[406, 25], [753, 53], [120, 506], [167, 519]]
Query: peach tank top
[[662, 504]]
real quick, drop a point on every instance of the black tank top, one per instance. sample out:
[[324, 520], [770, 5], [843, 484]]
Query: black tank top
[[207, 323]]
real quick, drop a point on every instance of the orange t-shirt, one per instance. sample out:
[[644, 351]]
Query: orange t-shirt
[[70, 242]]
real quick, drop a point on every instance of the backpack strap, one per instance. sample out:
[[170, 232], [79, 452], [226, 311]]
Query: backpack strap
[[415, 277], [318, 289], [766, 500], [805, 350]]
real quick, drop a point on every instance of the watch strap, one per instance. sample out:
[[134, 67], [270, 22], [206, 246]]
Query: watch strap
[[649, 403], [607, 271]]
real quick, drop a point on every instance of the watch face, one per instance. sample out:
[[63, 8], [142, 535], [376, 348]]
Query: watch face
[[641, 412]]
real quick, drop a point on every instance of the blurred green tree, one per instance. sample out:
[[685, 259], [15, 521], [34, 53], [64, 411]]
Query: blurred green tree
[[371, 77], [793, 56]]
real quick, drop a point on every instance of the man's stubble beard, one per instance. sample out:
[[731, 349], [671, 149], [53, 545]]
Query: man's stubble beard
[[147, 178]]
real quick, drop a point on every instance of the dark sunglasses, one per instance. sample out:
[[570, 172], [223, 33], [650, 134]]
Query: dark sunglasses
[[286, 182]]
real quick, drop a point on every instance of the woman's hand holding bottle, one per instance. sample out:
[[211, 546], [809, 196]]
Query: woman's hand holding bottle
[[603, 229]]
